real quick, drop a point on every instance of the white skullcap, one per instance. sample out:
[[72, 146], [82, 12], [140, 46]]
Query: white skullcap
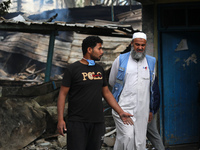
[[139, 35]]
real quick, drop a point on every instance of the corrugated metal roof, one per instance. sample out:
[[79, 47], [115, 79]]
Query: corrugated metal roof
[[48, 27]]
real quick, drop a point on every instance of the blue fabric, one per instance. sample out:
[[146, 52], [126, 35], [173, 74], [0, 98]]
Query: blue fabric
[[119, 84], [156, 96], [151, 63], [91, 62]]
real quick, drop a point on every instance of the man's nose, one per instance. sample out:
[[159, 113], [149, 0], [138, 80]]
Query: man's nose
[[101, 51], [140, 47]]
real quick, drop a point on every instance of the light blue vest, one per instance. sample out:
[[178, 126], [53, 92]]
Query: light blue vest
[[119, 84]]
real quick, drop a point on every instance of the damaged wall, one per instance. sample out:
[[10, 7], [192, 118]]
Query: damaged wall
[[35, 47]]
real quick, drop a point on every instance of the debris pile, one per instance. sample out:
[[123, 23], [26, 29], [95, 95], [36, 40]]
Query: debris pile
[[29, 77], [28, 110]]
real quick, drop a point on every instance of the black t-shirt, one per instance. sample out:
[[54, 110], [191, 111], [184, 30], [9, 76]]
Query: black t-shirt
[[85, 94]]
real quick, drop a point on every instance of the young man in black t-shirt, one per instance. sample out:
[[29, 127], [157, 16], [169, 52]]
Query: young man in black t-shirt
[[85, 83]]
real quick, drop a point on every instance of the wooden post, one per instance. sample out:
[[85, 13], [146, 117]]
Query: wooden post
[[50, 56], [112, 11]]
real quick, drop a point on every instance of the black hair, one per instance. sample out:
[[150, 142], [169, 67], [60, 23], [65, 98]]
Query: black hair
[[90, 41]]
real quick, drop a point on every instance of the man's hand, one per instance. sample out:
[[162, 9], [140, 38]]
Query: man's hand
[[126, 118], [61, 127], [150, 117]]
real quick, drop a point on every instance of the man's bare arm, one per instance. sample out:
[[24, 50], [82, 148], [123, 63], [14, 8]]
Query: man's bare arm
[[61, 126]]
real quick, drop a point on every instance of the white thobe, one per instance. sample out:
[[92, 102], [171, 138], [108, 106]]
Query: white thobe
[[134, 99]]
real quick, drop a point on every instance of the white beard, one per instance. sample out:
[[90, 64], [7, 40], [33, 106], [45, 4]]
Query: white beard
[[137, 55]]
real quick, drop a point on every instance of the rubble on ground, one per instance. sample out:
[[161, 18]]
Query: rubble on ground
[[28, 110]]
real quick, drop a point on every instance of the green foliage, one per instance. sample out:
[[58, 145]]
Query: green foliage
[[4, 6]]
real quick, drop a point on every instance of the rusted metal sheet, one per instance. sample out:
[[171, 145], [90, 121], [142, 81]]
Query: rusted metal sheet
[[47, 27]]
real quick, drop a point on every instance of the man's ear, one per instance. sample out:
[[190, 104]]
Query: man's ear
[[132, 43], [89, 50]]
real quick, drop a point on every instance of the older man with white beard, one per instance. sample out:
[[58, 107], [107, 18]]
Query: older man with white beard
[[131, 77]]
